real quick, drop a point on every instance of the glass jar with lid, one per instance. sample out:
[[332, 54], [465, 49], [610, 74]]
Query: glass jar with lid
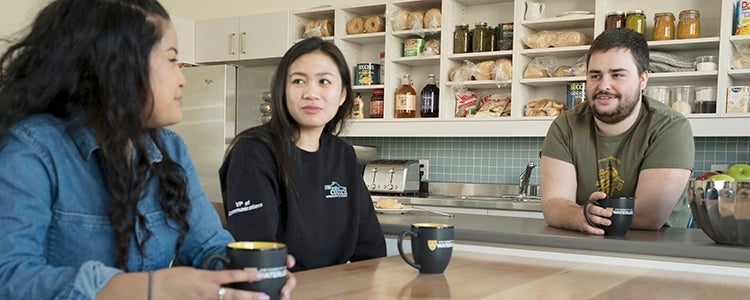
[[663, 26], [615, 19], [461, 39], [690, 25], [481, 40], [636, 21], [504, 39]]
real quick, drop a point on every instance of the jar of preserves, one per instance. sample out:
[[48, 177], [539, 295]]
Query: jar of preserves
[[663, 26], [493, 37], [636, 21], [690, 25], [481, 40], [615, 19], [376, 104], [461, 39]]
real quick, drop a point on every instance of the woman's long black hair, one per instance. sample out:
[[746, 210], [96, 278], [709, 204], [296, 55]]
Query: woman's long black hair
[[93, 56], [282, 131]]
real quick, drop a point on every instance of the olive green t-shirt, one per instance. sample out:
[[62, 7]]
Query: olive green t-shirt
[[660, 138]]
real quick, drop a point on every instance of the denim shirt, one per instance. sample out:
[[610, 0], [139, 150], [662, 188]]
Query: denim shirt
[[57, 239]]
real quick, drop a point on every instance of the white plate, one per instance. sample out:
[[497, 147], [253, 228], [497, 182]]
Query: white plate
[[575, 13], [392, 211]]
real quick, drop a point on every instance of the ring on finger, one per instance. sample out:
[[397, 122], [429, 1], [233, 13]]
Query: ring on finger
[[222, 292]]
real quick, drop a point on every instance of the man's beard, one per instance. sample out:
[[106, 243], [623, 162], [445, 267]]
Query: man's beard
[[623, 110]]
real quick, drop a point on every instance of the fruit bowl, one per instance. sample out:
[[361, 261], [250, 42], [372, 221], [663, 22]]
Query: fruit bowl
[[722, 210]]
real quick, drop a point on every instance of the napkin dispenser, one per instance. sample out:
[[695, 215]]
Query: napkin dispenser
[[392, 176]]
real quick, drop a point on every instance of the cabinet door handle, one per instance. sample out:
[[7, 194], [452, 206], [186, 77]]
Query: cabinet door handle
[[242, 42], [231, 43]]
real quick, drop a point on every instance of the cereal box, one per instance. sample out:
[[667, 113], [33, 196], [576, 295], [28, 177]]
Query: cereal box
[[742, 17], [737, 99]]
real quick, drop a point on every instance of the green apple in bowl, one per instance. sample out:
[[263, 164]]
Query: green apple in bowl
[[721, 177], [740, 172]]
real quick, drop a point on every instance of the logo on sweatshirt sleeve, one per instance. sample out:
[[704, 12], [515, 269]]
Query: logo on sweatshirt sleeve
[[335, 190]]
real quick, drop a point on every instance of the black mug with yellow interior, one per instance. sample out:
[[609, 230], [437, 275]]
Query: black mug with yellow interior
[[431, 246], [266, 257]]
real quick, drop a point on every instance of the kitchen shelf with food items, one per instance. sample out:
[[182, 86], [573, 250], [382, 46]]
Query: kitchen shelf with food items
[[496, 61]]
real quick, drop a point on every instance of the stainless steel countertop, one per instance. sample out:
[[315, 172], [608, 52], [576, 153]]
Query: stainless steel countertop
[[668, 243]]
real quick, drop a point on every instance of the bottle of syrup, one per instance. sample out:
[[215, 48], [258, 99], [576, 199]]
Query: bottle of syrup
[[358, 107], [429, 98], [406, 99]]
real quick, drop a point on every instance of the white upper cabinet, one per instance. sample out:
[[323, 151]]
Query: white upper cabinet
[[254, 37]]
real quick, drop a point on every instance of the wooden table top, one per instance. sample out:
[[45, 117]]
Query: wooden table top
[[485, 276]]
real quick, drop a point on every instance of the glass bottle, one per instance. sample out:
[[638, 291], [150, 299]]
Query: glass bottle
[[376, 104], [615, 19], [690, 25], [430, 99], [636, 21], [493, 37], [358, 107], [406, 99], [663, 26], [480, 39], [461, 39]]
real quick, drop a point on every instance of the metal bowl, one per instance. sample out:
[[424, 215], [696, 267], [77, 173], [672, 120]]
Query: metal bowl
[[722, 210]]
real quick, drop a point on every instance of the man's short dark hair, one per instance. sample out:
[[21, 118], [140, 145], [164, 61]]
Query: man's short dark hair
[[625, 39]]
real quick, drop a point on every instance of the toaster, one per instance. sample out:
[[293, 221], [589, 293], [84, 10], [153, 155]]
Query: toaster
[[392, 176]]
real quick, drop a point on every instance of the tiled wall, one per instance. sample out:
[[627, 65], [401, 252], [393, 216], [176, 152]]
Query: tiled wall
[[502, 159]]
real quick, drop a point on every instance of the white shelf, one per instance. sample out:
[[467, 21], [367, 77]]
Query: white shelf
[[408, 34], [367, 87], [478, 56], [743, 74], [481, 84], [417, 61], [556, 23], [692, 44], [551, 81], [556, 51], [365, 38]]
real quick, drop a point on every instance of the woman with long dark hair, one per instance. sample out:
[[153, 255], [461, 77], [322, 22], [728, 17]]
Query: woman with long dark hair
[[293, 180], [96, 198]]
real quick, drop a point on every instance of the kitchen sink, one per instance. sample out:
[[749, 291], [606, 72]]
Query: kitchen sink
[[483, 191]]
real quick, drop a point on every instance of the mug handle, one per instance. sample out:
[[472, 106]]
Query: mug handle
[[586, 212], [209, 263], [401, 248], [541, 8]]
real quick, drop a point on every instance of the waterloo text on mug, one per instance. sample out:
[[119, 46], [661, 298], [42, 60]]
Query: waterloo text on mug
[[266, 257], [622, 209], [431, 245]]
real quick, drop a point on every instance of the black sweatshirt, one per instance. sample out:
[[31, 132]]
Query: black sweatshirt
[[332, 221]]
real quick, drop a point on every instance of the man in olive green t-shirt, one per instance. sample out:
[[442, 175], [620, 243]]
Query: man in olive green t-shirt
[[618, 143]]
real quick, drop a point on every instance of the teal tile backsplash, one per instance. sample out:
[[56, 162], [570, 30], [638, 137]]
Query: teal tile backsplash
[[502, 159]]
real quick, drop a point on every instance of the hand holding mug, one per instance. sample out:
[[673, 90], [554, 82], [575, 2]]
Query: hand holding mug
[[621, 208], [268, 258]]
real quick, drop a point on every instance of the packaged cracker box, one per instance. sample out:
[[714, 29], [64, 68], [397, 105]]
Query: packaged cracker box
[[737, 99], [413, 47], [742, 17]]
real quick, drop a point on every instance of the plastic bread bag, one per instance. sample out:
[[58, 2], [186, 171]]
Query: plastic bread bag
[[319, 28], [433, 18], [503, 71], [579, 68], [494, 105], [540, 67], [483, 70], [740, 61], [415, 20], [374, 23], [400, 20], [466, 103], [431, 47], [556, 38], [462, 72]]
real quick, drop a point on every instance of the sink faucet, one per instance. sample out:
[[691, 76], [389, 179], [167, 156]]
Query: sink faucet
[[523, 179]]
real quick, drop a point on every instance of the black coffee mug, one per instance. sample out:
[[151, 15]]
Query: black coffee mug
[[431, 246], [622, 209], [266, 257]]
